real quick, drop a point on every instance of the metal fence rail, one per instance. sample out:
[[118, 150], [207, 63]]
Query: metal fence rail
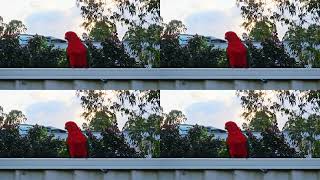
[[166, 79], [161, 73], [159, 175], [160, 169], [158, 164]]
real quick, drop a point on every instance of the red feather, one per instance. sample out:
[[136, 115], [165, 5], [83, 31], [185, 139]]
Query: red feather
[[236, 141], [236, 51], [77, 142], [76, 51]]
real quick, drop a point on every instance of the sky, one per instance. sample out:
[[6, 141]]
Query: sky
[[54, 108], [48, 108], [46, 17], [207, 107], [55, 17], [207, 17]]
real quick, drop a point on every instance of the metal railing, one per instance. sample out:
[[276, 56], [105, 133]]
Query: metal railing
[[158, 164], [161, 73], [160, 78]]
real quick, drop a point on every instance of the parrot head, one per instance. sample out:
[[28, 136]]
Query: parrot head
[[232, 37], [71, 126], [71, 36], [232, 127]]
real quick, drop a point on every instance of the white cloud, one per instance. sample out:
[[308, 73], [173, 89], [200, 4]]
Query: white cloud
[[180, 9], [47, 17], [183, 98], [207, 17], [38, 106], [20, 9], [210, 108], [49, 108], [55, 22], [51, 4], [213, 23], [54, 113]]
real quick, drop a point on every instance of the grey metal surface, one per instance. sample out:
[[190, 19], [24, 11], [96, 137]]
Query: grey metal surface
[[160, 73], [162, 79], [160, 84], [159, 175], [158, 164], [159, 169]]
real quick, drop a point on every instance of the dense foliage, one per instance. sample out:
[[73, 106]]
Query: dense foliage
[[300, 16], [198, 53], [301, 108], [141, 17], [112, 144], [40, 53], [144, 44], [272, 144], [198, 143], [144, 133], [272, 54], [36, 144], [36, 54], [112, 54]]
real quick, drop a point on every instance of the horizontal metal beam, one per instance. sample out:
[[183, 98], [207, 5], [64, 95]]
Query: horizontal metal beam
[[158, 164], [159, 79], [160, 74]]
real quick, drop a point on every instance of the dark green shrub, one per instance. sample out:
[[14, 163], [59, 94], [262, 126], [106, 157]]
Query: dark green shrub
[[36, 54], [43, 145], [36, 144], [271, 55], [111, 55], [172, 144], [11, 53], [196, 54], [12, 144], [111, 145], [198, 143], [272, 144]]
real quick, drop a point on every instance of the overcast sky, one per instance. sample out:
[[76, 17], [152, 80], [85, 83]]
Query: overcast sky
[[54, 108], [48, 108], [207, 17], [46, 17], [55, 17], [207, 107]]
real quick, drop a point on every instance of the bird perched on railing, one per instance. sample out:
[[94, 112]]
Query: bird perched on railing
[[76, 51], [236, 51], [76, 141], [236, 141]]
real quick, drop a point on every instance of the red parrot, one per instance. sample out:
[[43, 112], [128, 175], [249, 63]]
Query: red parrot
[[76, 51], [236, 51], [77, 142], [236, 141]]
